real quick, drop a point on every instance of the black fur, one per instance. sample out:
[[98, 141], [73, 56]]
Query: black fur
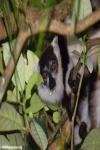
[[66, 101], [46, 57], [83, 130], [62, 42]]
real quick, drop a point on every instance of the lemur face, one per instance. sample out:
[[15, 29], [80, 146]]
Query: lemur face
[[50, 68]]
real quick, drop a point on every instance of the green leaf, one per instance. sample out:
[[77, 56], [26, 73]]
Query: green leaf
[[46, 108], [19, 75], [15, 7], [10, 119], [23, 70], [40, 42], [11, 140], [56, 116], [89, 64], [50, 3], [12, 96], [35, 79], [31, 65], [36, 3], [6, 53], [92, 141], [83, 58], [38, 135], [3, 141], [35, 104], [15, 139], [85, 9], [53, 107], [82, 8]]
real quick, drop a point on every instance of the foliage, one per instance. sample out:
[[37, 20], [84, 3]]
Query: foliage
[[46, 4], [92, 141], [22, 112]]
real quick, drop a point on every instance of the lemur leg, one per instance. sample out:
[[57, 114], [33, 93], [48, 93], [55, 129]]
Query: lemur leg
[[85, 123]]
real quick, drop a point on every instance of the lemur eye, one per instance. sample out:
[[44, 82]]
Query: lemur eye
[[44, 74], [54, 66]]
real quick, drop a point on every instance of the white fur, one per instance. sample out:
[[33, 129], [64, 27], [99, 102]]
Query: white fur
[[93, 52], [95, 104], [77, 139], [74, 44], [84, 117], [70, 66], [84, 113], [56, 95]]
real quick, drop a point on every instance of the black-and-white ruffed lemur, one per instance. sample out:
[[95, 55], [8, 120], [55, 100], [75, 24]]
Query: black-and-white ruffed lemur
[[55, 66]]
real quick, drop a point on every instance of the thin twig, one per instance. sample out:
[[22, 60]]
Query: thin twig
[[63, 119], [49, 121], [75, 109]]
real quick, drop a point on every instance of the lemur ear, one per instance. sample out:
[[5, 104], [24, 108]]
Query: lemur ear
[[74, 81], [95, 4], [55, 41]]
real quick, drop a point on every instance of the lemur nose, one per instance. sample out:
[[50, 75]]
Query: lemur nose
[[52, 83]]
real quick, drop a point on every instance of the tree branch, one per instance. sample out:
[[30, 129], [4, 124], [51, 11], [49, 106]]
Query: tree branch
[[34, 16]]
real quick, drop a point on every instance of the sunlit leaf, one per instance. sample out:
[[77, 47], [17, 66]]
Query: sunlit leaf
[[12, 96], [56, 116], [10, 118], [23, 70], [39, 135], [82, 8], [85, 9], [31, 65], [89, 65], [46, 108], [6, 53], [35, 79], [11, 140], [19, 75], [3, 141], [35, 104]]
